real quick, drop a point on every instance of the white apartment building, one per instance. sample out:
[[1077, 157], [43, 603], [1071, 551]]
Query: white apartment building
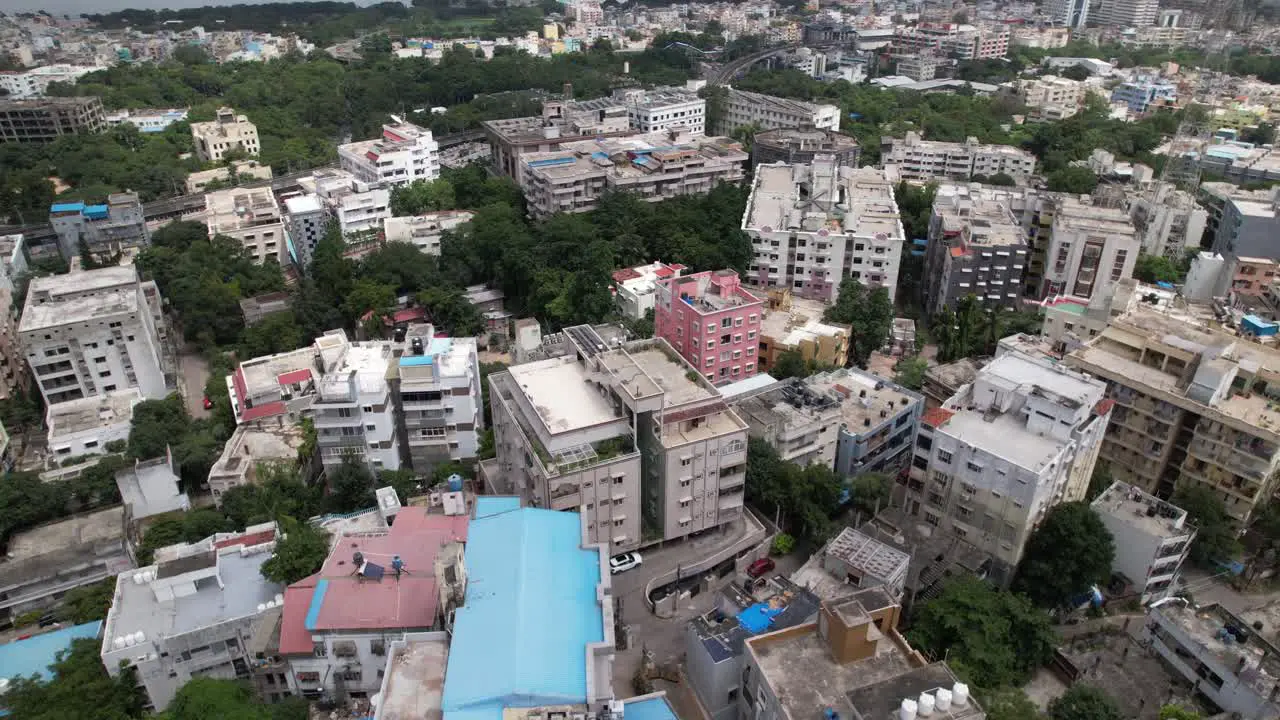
[[773, 113], [358, 206], [435, 386], [148, 121], [655, 167], [988, 464], [424, 231], [1051, 98], [227, 132], [1090, 249], [662, 109], [812, 226], [1168, 221], [631, 436], [307, 222], [87, 425], [1152, 538], [251, 217], [353, 412], [635, 289], [915, 159], [34, 82], [194, 612], [1126, 13], [93, 332], [403, 154]]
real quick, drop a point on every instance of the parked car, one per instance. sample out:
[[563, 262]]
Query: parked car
[[760, 567], [624, 562], [208, 404]]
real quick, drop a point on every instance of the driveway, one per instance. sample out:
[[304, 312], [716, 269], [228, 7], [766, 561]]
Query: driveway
[[193, 373]]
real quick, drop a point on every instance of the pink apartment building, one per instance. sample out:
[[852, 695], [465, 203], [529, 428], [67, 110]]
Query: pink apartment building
[[712, 322]]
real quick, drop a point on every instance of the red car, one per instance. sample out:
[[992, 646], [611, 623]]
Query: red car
[[208, 404], [760, 567]]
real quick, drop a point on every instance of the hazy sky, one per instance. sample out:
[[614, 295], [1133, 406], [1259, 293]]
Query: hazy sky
[[77, 7]]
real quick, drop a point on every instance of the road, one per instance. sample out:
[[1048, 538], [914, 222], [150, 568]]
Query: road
[[194, 373], [726, 72]]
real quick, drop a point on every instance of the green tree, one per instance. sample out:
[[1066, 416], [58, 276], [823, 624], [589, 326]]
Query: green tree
[[869, 492], [998, 636], [299, 553], [421, 196], [1099, 481], [1084, 702], [1155, 268], [1070, 551], [802, 497], [87, 602], [156, 425], [1215, 531], [869, 313], [203, 698], [789, 364], [1002, 179], [1073, 179], [909, 372], [1177, 712], [1009, 704], [78, 688], [350, 487]]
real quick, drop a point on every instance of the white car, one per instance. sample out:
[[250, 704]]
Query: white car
[[624, 562]]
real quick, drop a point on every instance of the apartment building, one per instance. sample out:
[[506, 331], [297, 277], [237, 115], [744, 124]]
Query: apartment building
[[148, 121], [655, 167], [964, 42], [976, 247], [13, 265], [1152, 538], [878, 421], [435, 387], [1144, 94], [424, 231], [991, 462], [1169, 222], [251, 217], [86, 426], [194, 612], [93, 332], [34, 82], [725, 351], [405, 153], [1090, 249], [812, 226], [338, 622], [915, 159], [307, 222], [635, 289], [1247, 227], [767, 112], [1070, 321], [254, 445], [352, 411], [658, 110], [793, 324], [105, 230], [48, 119], [796, 421], [1126, 13], [1043, 37], [631, 435], [226, 132], [1219, 653], [799, 146], [356, 205], [1072, 14], [1051, 98], [1192, 407]]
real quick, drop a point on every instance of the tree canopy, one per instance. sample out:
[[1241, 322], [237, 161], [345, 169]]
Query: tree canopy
[[300, 552], [1215, 531], [1084, 702], [869, 313], [805, 498], [78, 688], [1070, 551]]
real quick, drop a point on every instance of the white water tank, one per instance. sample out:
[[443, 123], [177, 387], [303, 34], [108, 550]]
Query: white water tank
[[137, 578], [960, 694], [907, 711], [943, 698], [262, 606], [925, 704], [279, 599], [139, 637], [118, 643], [128, 640]]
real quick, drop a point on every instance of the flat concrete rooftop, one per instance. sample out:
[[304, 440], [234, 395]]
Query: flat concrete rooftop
[[78, 531], [414, 688], [561, 395], [1141, 509], [672, 377]]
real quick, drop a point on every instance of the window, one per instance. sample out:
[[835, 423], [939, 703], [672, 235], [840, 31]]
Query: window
[[944, 456], [931, 518], [618, 523], [973, 466], [737, 322]]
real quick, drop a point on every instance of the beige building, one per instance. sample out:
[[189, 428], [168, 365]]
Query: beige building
[[792, 323], [914, 158], [628, 434], [251, 217], [242, 170], [227, 132], [1050, 97], [1090, 249], [1193, 407]]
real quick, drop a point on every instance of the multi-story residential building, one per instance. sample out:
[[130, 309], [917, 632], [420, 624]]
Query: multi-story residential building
[[1144, 94], [424, 231], [1090, 249], [22, 85], [48, 119], [150, 488], [405, 153], [193, 613], [353, 412], [799, 146], [916, 159], [658, 110], [234, 173], [252, 446], [773, 113], [793, 324], [252, 218], [13, 265], [337, 623], [284, 384], [88, 425], [148, 121], [306, 221], [712, 322], [93, 332], [1070, 321], [357, 206], [1073, 14], [917, 66], [1191, 408], [1247, 227], [798, 422], [812, 226], [1041, 37], [1152, 538], [964, 42], [992, 461], [1168, 221], [1051, 98], [104, 230], [225, 133], [654, 167], [43, 563], [851, 661], [561, 122], [1252, 277], [1126, 13], [435, 387], [631, 435], [976, 247], [635, 289]]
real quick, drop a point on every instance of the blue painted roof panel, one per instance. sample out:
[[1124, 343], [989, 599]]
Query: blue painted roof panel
[[494, 504], [415, 360], [317, 599], [34, 655], [654, 708], [66, 207]]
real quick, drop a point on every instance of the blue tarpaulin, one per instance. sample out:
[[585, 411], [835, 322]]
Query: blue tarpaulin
[[758, 617]]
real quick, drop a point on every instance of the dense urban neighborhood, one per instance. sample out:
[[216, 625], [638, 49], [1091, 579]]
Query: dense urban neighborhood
[[641, 360]]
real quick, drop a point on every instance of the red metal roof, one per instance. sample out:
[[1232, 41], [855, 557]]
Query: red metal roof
[[1104, 406], [936, 417], [260, 411], [294, 376], [248, 540], [408, 314], [625, 274], [663, 272], [352, 603], [237, 380], [957, 252]]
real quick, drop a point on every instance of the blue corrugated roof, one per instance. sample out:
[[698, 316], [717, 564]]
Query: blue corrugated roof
[[652, 708], [531, 591], [95, 211], [33, 656], [494, 504], [66, 207], [317, 599]]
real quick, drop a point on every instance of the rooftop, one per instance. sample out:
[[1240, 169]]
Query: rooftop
[[1004, 436], [560, 394], [709, 291], [414, 686], [866, 400], [671, 376], [1205, 625], [773, 104], [151, 488], [240, 208], [823, 199], [884, 698], [97, 411], [632, 157], [780, 604], [801, 323], [34, 655], [77, 535], [258, 442], [1072, 213], [82, 296], [1135, 506], [805, 139], [977, 220], [1062, 385], [513, 583]]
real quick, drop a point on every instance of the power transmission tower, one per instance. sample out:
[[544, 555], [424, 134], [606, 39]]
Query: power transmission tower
[[1182, 164]]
